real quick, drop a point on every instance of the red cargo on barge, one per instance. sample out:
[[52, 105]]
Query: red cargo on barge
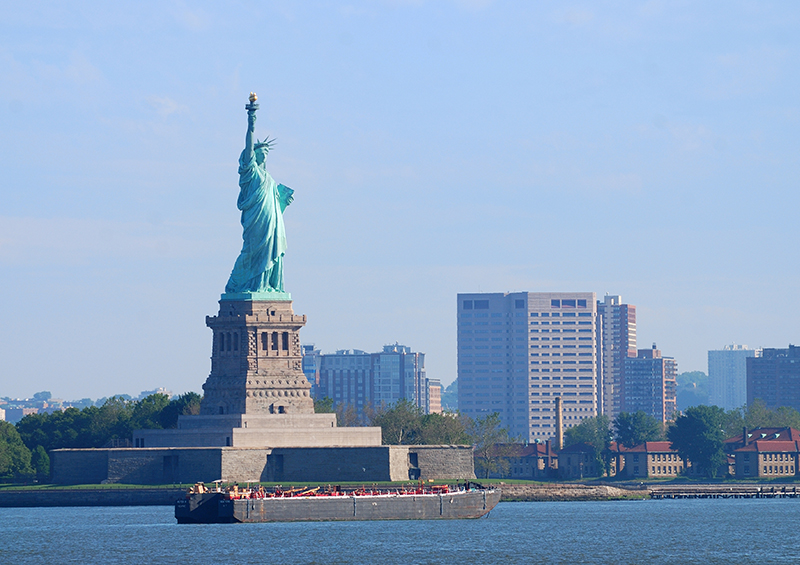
[[204, 506]]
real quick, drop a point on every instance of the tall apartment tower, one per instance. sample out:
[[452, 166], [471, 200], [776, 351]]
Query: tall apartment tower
[[518, 352], [649, 384], [774, 377], [727, 376], [616, 342], [359, 378]]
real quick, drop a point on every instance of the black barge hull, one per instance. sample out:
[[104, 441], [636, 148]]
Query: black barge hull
[[199, 509]]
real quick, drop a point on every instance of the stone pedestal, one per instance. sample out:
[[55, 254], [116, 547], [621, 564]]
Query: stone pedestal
[[256, 361]]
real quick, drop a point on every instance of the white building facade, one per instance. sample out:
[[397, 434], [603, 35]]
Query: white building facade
[[727, 375], [518, 351]]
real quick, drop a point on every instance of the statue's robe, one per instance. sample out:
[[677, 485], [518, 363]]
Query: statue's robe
[[262, 201]]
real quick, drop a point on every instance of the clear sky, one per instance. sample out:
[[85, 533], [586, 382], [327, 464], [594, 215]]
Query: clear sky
[[647, 149]]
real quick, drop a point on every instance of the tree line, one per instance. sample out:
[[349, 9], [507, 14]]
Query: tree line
[[698, 434], [24, 447]]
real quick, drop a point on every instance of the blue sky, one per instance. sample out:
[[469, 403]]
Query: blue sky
[[646, 149]]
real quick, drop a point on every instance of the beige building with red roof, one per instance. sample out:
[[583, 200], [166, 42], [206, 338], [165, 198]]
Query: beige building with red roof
[[651, 459], [766, 453]]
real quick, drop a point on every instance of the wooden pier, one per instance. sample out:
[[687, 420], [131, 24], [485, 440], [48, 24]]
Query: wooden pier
[[724, 491]]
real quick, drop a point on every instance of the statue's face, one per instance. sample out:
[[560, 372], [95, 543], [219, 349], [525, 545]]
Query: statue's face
[[261, 156]]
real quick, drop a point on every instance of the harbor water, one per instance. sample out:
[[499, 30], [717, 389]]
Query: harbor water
[[650, 531]]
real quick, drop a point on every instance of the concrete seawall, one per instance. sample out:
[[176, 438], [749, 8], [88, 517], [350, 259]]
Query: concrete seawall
[[565, 492], [90, 497]]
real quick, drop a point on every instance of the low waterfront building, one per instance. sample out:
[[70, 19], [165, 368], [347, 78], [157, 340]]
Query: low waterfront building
[[766, 453], [651, 459], [534, 461], [577, 462]]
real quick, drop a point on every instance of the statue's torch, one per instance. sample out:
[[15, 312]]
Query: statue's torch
[[252, 107]]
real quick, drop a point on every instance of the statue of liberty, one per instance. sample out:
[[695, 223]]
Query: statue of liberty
[[262, 201]]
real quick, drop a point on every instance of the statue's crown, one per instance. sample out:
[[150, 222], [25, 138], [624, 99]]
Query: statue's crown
[[265, 144]]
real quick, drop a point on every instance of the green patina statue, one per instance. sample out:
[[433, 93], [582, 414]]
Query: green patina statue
[[259, 268]]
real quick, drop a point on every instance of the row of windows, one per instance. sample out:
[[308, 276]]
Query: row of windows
[[774, 469], [520, 304], [229, 341], [556, 338], [477, 304], [561, 314], [554, 330]]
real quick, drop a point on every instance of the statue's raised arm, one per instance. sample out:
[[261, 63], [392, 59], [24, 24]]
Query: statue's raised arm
[[251, 126], [262, 201]]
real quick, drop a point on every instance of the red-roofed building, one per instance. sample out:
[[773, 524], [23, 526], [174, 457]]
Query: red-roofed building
[[534, 461], [766, 452], [651, 459]]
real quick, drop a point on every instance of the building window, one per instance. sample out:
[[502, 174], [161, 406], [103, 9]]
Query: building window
[[555, 304], [236, 341], [519, 304], [581, 303], [568, 303], [285, 341], [468, 305], [481, 304]]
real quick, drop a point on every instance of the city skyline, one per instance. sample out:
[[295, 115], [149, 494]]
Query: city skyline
[[646, 150]]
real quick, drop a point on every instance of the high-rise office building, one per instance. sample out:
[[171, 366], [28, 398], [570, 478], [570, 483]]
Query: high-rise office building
[[775, 377], [616, 334], [519, 351], [362, 379], [649, 384], [727, 376]]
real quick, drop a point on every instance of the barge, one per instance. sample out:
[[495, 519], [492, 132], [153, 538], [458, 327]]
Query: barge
[[232, 505]]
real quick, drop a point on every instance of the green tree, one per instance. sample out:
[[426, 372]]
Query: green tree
[[324, 406], [146, 413], [111, 421], [40, 462], [637, 428], [757, 415], [449, 428], [187, 404], [597, 433], [400, 423], [493, 445], [698, 436], [15, 457], [347, 416]]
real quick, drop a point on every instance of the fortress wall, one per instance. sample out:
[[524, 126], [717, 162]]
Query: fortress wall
[[333, 464], [79, 466], [241, 465], [295, 464], [445, 461]]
